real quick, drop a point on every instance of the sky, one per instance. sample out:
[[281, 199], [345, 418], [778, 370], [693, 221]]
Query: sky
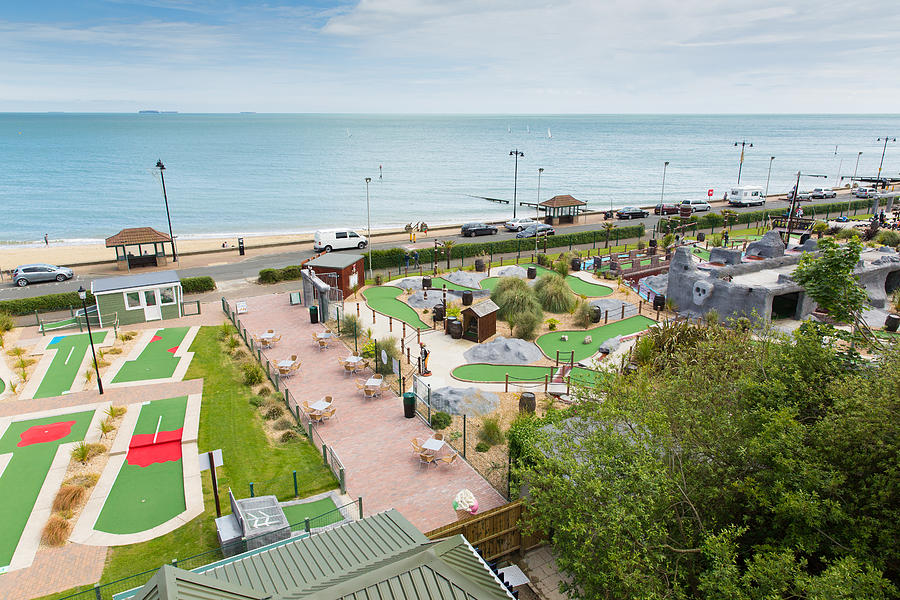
[[451, 56]]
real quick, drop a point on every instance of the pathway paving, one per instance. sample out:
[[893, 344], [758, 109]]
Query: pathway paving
[[371, 437], [55, 569]]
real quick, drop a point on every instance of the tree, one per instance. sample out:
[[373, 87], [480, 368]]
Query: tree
[[448, 248], [608, 229]]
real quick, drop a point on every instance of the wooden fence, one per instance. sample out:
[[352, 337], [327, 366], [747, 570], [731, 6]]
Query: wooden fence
[[496, 533]]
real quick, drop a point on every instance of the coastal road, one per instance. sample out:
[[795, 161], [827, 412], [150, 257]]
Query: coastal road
[[249, 268]]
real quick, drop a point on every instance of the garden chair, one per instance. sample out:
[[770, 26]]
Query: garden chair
[[284, 372], [329, 413], [449, 459], [349, 368], [370, 392], [323, 344], [295, 367], [270, 331], [426, 459], [275, 340], [417, 447], [314, 338], [328, 399], [438, 436], [377, 376]]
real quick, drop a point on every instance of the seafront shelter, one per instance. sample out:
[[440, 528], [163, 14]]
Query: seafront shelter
[[138, 298], [151, 248], [561, 209]]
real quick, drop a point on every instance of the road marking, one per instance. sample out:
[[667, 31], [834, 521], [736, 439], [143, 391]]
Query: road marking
[[158, 423]]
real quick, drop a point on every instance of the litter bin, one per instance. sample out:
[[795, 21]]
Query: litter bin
[[575, 263], [701, 237], [467, 298], [313, 314], [527, 402], [409, 405], [241, 246], [437, 313], [532, 272], [596, 314], [891, 322], [426, 283], [659, 302], [479, 265]]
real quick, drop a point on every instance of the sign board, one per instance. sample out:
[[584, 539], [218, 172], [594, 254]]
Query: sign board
[[384, 358], [710, 192], [204, 459]]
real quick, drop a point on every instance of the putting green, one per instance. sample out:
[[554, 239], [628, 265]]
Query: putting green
[[27, 469], [2, 386], [70, 351], [296, 513], [158, 360], [704, 254], [384, 300], [577, 285], [487, 373], [489, 283], [550, 343], [143, 497]]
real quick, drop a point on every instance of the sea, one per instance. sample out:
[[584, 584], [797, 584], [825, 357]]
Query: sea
[[82, 177]]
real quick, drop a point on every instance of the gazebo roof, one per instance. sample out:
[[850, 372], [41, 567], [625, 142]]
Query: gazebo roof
[[136, 235], [561, 201], [483, 308]]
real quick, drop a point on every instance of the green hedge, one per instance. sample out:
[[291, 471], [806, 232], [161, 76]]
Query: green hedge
[[289, 273], [49, 302]]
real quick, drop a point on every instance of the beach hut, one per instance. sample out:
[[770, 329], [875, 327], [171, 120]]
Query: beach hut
[[138, 298], [140, 247], [343, 271], [561, 209], [480, 321]]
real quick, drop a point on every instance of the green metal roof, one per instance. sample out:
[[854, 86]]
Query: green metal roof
[[171, 582]]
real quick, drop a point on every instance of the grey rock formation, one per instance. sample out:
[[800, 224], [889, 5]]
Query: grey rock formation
[[467, 278], [725, 256], [464, 401], [770, 246], [504, 351], [610, 345], [511, 271]]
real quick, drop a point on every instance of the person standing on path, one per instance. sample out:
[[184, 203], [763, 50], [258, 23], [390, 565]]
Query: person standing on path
[[46, 240]]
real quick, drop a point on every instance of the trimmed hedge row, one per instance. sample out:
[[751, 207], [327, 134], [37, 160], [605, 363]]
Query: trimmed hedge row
[[289, 273], [49, 302]]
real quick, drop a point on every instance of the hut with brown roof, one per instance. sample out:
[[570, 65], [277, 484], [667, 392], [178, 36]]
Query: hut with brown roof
[[151, 248], [480, 321], [561, 209]]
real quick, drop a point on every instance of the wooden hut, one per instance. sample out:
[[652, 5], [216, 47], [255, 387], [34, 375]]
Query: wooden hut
[[561, 209], [347, 270], [480, 321], [150, 252]]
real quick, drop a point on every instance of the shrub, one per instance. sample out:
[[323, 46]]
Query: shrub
[[17, 351], [482, 447], [6, 322], [350, 326], [196, 285], [68, 498], [554, 294], [888, 237], [490, 432], [453, 309], [127, 336], [440, 420], [84, 452], [715, 240], [525, 325], [288, 436], [56, 531], [847, 233], [257, 401], [282, 424], [273, 412], [551, 324], [232, 343], [89, 375], [644, 350], [543, 260], [238, 355], [85, 480], [561, 266], [584, 313], [253, 373], [514, 297], [819, 228], [291, 273], [668, 240], [114, 351], [106, 427], [264, 391], [389, 346], [226, 329], [269, 276]]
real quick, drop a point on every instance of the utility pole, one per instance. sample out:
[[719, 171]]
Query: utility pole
[[742, 144], [537, 215], [369, 228], [663, 190], [768, 177], [162, 167], [794, 201], [517, 154], [881, 164]]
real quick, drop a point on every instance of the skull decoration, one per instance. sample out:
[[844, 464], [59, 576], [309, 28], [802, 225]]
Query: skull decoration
[[702, 291]]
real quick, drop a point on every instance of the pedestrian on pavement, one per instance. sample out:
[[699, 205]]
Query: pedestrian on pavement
[[46, 240]]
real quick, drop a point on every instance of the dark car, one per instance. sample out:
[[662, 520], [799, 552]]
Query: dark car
[[666, 209], [541, 229], [473, 229], [632, 212]]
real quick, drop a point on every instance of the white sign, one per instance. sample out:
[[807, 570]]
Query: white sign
[[384, 357], [204, 459]]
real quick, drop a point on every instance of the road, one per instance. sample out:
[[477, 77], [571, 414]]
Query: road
[[250, 267]]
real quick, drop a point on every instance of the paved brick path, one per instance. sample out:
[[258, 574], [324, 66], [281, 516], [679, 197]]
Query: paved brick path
[[53, 570], [371, 437]]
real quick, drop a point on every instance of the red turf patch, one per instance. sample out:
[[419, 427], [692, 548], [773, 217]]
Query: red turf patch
[[155, 338], [41, 434], [143, 452], [173, 350]]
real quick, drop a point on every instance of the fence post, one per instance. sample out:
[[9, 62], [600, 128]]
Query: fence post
[[97, 591], [606, 317], [310, 430], [251, 490], [623, 311], [506, 385], [464, 436], [306, 525], [357, 310], [546, 382], [324, 455], [342, 481], [296, 492], [640, 306], [429, 406], [360, 507], [390, 323]]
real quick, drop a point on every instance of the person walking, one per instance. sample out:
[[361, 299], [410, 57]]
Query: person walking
[[46, 240]]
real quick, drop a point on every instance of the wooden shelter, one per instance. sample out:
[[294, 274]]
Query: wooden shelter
[[151, 248], [347, 270], [480, 321], [561, 209]]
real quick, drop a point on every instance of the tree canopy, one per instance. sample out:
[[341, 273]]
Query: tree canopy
[[729, 465]]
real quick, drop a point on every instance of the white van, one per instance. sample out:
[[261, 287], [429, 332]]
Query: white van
[[338, 239], [746, 195]]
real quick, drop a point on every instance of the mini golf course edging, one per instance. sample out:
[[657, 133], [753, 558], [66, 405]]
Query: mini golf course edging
[[550, 343], [491, 373]]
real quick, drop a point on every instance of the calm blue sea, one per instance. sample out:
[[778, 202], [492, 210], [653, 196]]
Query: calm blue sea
[[86, 176]]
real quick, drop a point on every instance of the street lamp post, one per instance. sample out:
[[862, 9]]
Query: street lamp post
[[82, 293], [537, 211], [881, 164], [162, 178], [768, 177], [794, 200], [369, 228], [517, 154], [663, 190], [856, 168], [742, 144]]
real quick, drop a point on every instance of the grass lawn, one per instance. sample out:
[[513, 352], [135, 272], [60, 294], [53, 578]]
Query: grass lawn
[[229, 422], [296, 513]]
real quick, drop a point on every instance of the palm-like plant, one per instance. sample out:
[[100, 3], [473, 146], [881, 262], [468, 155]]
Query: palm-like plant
[[448, 248], [608, 228]]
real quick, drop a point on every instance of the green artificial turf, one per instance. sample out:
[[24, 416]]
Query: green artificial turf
[[155, 362], [550, 343], [489, 283], [143, 497], [384, 300], [64, 367], [585, 288], [486, 373], [2, 386], [702, 253], [324, 508], [25, 473]]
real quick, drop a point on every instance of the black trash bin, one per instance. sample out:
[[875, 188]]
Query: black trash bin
[[467, 298], [241, 246], [437, 313], [891, 322], [659, 302], [575, 263], [479, 265], [313, 314], [426, 283], [527, 402], [701, 237], [596, 314], [532, 272], [409, 405], [652, 243]]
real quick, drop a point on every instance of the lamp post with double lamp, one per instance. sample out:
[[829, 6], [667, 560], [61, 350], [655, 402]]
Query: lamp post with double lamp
[[742, 144], [517, 154], [369, 228], [663, 190], [162, 178], [881, 164], [82, 293], [794, 200], [537, 211], [852, 179], [768, 177]]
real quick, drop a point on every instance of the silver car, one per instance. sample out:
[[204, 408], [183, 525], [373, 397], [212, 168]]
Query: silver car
[[25, 274]]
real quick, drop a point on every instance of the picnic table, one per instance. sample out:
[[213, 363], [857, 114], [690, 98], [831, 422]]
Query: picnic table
[[353, 359], [320, 405], [373, 383], [324, 335], [285, 364], [433, 444], [267, 335]]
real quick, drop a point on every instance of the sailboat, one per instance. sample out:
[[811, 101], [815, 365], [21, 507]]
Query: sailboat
[[349, 135], [527, 129], [548, 134], [508, 130]]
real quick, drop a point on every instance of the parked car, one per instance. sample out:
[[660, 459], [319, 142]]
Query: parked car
[[519, 224], [746, 195], [865, 192], [697, 205], [822, 193], [631, 212], [473, 229], [536, 230], [338, 239], [665, 209], [25, 274], [800, 196]]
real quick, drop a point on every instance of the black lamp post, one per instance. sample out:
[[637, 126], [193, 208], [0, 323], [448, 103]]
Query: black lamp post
[[517, 154], [881, 164], [663, 190], [82, 293], [742, 144], [162, 178], [369, 228]]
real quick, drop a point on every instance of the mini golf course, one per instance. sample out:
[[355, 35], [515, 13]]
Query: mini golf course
[[70, 351], [149, 489], [489, 373], [33, 445], [384, 300], [550, 343], [577, 285], [158, 360]]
